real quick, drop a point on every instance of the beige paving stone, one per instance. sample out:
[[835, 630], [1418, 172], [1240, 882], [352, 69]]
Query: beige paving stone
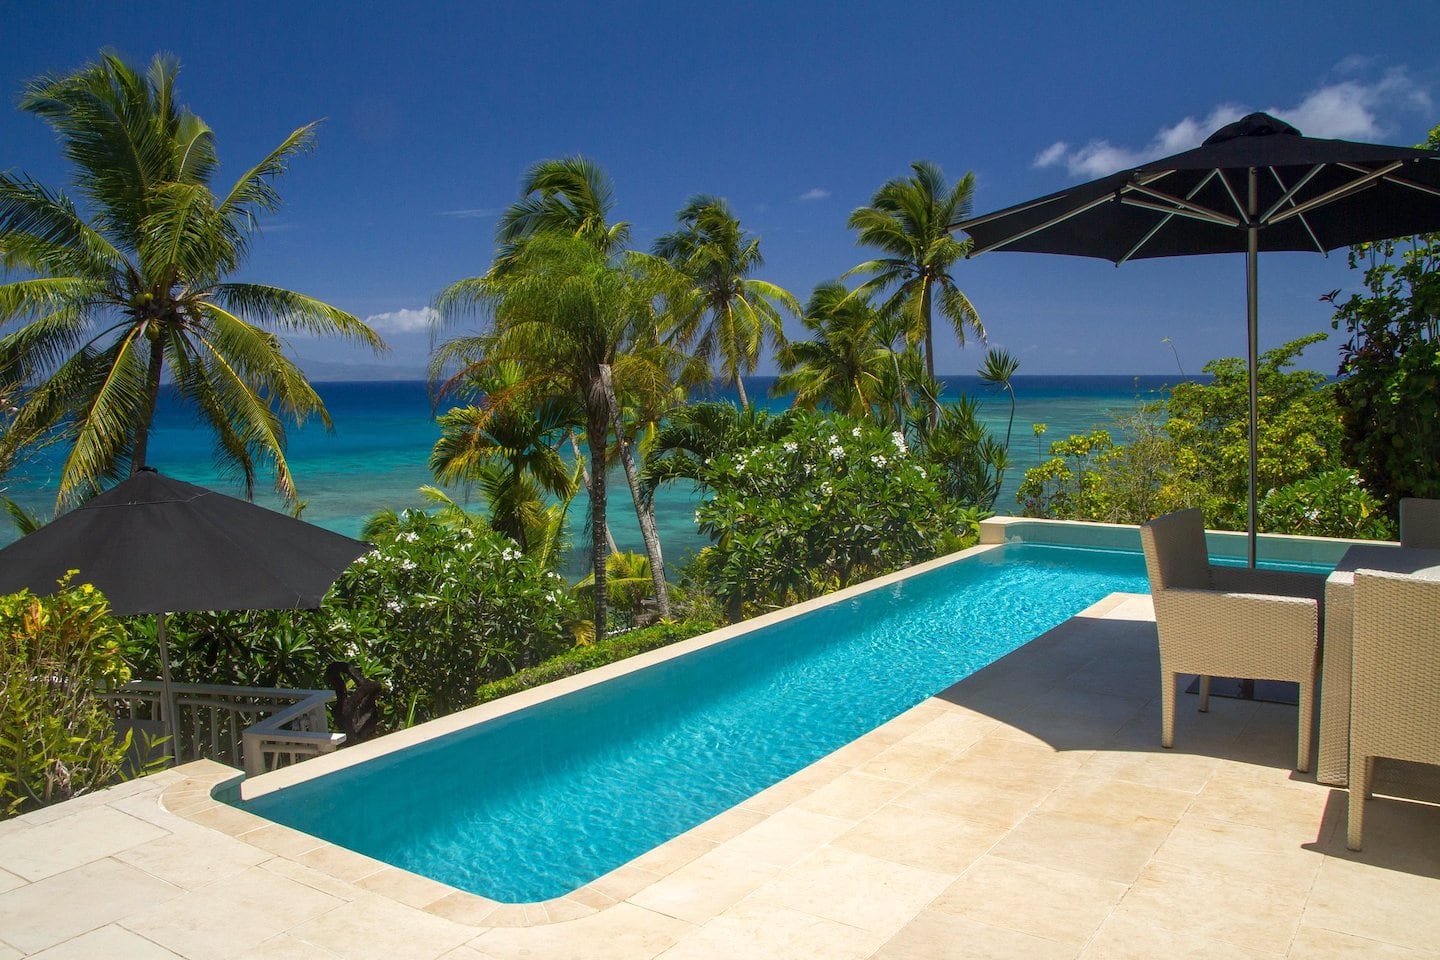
[[405, 887], [1251, 915], [1076, 721], [1107, 850], [705, 888], [226, 819], [936, 935], [110, 943], [763, 931], [61, 845], [1116, 801], [1295, 807], [8, 952], [340, 863], [464, 908], [908, 761], [463, 952], [731, 823], [1316, 943], [1374, 903], [1154, 768], [281, 840], [623, 932], [954, 731], [591, 897], [673, 854], [286, 947], [777, 798], [231, 915], [176, 858], [50, 911], [1042, 902], [9, 881], [1226, 851], [856, 889], [377, 928], [851, 796], [312, 878], [623, 882], [1136, 936], [921, 838], [786, 837], [999, 803], [562, 909]]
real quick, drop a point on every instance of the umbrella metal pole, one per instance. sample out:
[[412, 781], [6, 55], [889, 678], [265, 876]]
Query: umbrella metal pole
[[167, 693], [1252, 309]]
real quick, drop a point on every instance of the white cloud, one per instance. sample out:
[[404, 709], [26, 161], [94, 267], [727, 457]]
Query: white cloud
[[471, 213], [815, 193], [1353, 109], [1052, 154], [403, 321]]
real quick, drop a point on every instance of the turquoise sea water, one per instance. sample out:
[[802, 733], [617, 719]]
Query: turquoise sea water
[[377, 454], [534, 804]]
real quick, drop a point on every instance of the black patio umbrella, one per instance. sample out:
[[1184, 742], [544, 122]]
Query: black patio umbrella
[[157, 545], [1255, 184]]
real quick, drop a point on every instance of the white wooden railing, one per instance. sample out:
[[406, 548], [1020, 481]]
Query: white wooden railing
[[257, 728]]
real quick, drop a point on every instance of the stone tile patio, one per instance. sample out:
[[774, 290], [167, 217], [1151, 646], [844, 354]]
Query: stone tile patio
[[1026, 812]]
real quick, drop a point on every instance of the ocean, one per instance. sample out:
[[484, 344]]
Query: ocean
[[377, 454]]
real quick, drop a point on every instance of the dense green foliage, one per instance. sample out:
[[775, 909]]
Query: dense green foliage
[[1390, 366], [597, 654], [57, 739], [1191, 448], [438, 609], [833, 501], [104, 305]]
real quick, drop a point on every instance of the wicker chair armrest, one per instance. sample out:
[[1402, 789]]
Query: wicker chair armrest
[[1261, 636], [1285, 583]]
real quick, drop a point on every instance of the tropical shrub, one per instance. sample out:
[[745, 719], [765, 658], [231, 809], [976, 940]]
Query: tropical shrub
[[836, 501], [57, 738], [1328, 504], [438, 609]]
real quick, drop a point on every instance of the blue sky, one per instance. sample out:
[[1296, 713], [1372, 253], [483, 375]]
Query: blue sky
[[794, 112]]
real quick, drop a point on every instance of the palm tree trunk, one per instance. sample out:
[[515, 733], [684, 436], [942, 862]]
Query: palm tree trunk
[[929, 352], [644, 510], [596, 428], [585, 476], [740, 389], [152, 398]]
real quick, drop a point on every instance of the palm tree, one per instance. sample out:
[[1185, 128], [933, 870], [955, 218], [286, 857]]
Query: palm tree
[[572, 196], [998, 369], [849, 366], [507, 446], [112, 304], [564, 314], [908, 220], [730, 313]]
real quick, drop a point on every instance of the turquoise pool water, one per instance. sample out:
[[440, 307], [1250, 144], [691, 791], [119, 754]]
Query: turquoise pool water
[[532, 805]]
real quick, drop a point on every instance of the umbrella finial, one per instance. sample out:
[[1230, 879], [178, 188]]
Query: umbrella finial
[[1253, 125]]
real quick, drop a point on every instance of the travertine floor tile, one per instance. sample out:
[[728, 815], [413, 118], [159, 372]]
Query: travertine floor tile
[[1227, 851], [1116, 801], [286, 947], [623, 932], [1136, 936], [64, 844], [707, 887], [1107, 850], [855, 889], [107, 943], [173, 858], [1315, 943], [1377, 904], [9, 881], [852, 796], [231, 915], [1039, 901], [1251, 915], [50, 911], [921, 838], [936, 935], [376, 928], [1295, 807], [756, 930]]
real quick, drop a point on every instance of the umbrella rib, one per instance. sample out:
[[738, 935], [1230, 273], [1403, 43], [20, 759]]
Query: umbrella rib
[[1289, 196], [1160, 225], [1413, 186], [1069, 215], [1181, 207], [1340, 192]]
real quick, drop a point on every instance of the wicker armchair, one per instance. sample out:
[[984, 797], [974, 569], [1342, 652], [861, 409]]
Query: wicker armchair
[[1395, 683], [1229, 621], [1420, 523]]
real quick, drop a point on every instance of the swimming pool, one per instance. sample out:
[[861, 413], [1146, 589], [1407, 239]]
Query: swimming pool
[[531, 805]]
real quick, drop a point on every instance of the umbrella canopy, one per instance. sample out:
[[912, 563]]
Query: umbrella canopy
[[153, 544], [156, 545], [1256, 184]]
